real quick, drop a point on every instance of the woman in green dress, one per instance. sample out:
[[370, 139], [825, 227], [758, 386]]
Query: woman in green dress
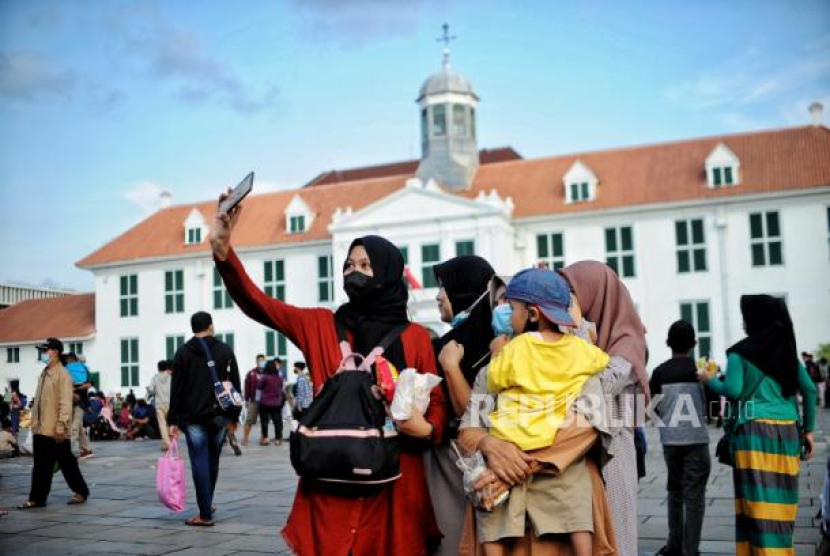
[[763, 375]]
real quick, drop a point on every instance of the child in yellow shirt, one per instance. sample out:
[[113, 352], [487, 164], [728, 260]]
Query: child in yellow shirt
[[536, 377]]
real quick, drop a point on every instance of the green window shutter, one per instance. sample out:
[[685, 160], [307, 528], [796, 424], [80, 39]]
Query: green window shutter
[[697, 231], [282, 346], [686, 312], [610, 240], [168, 281], [700, 259], [704, 347], [125, 307], [585, 194], [134, 284], [405, 254], [134, 306], [168, 303], [269, 343], [542, 246], [558, 248], [628, 266], [268, 270], [775, 255], [716, 176], [574, 191], [683, 261], [773, 229], [758, 255], [727, 175], [322, 267], [681, 234], [627, 243], [280, 270], [124, 285], [702, 317], [756, 227], [612, 262]]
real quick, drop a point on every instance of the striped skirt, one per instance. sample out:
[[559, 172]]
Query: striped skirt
[[767, 463]]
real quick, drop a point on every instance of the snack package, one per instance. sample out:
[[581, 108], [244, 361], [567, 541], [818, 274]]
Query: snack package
[[472, 467], [387, 377], [412, 393]]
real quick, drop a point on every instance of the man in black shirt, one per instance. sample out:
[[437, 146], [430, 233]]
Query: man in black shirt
[[195, 410], [681, 404]]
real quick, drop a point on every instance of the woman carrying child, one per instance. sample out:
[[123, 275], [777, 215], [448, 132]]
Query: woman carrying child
[[535, 379], [398, 519]]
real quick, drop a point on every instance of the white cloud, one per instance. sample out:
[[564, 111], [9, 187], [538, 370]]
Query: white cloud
[[144, 195], [748, 79]]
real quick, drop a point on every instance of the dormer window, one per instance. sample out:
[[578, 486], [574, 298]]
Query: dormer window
[[194, 235], [580, 184], [298, 216], [194, 228], [297, 224], [722, 167]]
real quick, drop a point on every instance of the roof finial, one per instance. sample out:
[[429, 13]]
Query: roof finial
[[446, 38]]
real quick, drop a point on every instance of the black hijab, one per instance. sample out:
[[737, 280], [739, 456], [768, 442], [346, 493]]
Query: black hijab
[[465, 279], [371, 318], [770, 341]]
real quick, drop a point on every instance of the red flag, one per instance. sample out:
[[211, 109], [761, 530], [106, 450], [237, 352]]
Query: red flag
[[410, 279]]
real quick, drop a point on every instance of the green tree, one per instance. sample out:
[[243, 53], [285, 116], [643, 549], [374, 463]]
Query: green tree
[[823, 351]]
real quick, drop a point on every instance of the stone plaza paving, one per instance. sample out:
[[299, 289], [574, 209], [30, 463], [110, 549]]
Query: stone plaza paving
[[254, 494]]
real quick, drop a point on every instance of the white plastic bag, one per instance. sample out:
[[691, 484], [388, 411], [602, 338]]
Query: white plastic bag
[[27, 447], [412, 393]]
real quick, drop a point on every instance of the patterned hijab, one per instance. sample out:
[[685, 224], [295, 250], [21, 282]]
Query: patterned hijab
[[605, 301]]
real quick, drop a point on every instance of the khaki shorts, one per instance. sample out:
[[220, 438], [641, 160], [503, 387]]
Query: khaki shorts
[[549, 504], [253, 413]]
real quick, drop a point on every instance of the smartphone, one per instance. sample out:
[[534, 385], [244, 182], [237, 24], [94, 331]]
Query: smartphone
[[237, 194]]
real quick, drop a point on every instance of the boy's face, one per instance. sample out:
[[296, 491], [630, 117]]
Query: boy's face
[[522, 314]]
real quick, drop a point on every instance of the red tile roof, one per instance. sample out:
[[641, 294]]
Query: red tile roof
[[68, 316], [778, 160], [486, 156]]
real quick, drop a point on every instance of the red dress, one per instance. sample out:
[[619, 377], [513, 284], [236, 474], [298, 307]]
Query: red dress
[[397, 521]]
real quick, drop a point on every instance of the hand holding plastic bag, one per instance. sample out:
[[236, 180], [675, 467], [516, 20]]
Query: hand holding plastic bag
[[412, 393]]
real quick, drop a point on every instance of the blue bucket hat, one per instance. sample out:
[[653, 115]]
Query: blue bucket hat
[[545, 289]]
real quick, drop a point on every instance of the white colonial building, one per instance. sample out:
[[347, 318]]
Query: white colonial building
[[690, 226]]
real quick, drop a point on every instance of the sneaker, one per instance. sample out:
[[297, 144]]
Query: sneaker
[[666, 551], [86, 454]]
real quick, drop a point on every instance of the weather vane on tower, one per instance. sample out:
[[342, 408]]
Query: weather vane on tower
[[446, 38]]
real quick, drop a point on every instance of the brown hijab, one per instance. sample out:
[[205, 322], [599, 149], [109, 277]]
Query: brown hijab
[[605, 301]]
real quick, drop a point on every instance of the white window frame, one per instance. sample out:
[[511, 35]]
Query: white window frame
[[551, 260], [132, 365], [766, 239], [13, 354], [325, 282], [175, 294], [276, 345], [690, 247], [619, 253], [172, 343], [128, 300], [221, 296]]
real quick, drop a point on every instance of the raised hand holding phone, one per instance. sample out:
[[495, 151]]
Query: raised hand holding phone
[[227, 215]]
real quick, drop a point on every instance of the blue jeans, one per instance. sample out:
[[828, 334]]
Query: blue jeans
[[204, 444]]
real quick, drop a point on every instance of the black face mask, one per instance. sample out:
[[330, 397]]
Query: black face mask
[[358, 286]]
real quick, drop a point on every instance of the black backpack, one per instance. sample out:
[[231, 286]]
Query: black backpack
[[344, 438]]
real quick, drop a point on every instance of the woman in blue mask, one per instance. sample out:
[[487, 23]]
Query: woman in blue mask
[[464, 304]]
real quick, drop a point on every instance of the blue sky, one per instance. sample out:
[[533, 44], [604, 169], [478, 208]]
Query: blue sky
[[104, 103]]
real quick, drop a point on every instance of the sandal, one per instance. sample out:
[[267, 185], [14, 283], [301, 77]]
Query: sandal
[[197, 521], [76, 499], [28, 505]]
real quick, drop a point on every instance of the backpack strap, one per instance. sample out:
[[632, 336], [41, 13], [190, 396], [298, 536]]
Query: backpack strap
[[211, 363], [385, 342], [368, 360]]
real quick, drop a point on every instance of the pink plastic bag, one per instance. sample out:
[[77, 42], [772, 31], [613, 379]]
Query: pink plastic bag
[[170, 483]]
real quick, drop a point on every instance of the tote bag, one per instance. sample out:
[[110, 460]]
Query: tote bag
[[170, 479]]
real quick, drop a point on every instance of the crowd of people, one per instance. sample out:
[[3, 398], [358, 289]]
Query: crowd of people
[[529, 445]]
